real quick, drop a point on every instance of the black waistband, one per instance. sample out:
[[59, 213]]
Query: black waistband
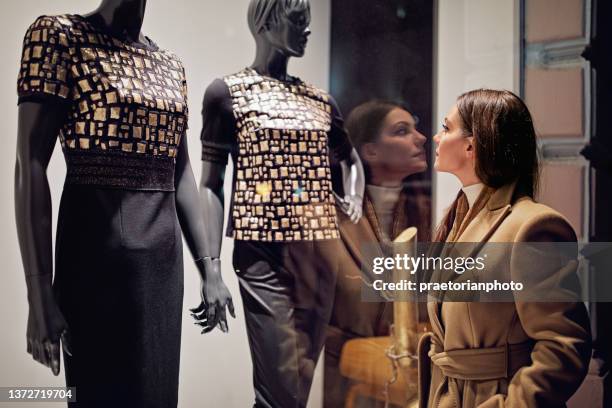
[[130, 171]]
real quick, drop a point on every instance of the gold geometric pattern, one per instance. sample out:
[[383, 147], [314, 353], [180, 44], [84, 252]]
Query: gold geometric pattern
[[123, 97], [283, 189]]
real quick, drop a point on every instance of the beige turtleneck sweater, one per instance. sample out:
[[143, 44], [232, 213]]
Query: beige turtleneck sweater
[[384, 200]]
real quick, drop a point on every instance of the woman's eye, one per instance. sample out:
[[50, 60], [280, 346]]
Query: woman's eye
[[444, 127]]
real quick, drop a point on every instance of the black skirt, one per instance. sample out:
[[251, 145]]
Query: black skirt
[[119, 284]]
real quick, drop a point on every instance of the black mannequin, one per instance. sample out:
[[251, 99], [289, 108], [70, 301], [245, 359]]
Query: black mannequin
[[280, 132], [38, 127], [275, 45]]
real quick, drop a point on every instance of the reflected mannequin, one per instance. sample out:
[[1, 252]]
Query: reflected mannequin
[[280, 133], [115, 301]]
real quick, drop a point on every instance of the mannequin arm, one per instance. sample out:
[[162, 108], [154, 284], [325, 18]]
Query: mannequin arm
[[38, 127], [353, 181], [203, 244], [211, 202]]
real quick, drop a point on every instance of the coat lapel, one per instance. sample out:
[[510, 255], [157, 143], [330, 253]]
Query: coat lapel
[[486, 222], [478, 231]]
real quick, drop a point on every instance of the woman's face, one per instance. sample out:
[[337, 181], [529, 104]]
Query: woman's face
[[454, 150], [399, 150], [290, 35]]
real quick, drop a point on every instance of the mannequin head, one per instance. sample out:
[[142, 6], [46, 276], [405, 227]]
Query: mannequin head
[[386, 137], [282, 25]]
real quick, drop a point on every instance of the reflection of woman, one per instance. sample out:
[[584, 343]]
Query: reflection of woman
[[515, 354], [391, 149]]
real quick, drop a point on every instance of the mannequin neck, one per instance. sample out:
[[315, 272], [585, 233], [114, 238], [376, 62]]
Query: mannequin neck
[[269, 61], [122, 17]]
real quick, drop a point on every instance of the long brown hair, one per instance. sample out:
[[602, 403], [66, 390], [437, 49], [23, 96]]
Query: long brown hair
[[505, 139], [504, 142]]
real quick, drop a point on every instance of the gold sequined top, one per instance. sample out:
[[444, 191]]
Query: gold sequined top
[[127, 101], [279, 134]]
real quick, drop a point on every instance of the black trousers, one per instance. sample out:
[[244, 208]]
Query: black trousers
[[288, 292]]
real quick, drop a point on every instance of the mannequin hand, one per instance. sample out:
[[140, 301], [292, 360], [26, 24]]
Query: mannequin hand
[[351, 205], [46, 326], [215, 297]]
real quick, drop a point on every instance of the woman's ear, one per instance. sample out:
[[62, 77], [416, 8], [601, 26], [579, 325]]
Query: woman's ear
[[469, 148], [369, 152]]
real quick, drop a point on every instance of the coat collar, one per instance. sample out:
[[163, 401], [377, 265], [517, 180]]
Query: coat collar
[[496, 209], [501, 197]]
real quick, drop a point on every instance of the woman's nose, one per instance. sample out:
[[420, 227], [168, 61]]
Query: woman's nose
[[307, 31], [421, 139], [436, 138]]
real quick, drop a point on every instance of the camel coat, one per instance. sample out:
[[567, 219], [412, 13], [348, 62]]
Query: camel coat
[[512, 354]]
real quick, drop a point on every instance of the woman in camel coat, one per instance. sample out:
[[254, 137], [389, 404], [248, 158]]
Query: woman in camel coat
[[512, 354]]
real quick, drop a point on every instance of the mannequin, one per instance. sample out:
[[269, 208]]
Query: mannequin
[[134, 185], [279, 131]]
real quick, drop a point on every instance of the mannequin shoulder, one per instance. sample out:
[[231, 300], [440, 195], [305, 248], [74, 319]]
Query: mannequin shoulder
[[314, 90], [244, 77], [170, 55], [324, 96], [217, 94], [56, 23], [334, 105]]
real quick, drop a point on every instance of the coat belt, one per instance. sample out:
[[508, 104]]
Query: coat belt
[[480, 363]]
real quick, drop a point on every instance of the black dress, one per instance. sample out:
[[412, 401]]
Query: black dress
[[119, 271]]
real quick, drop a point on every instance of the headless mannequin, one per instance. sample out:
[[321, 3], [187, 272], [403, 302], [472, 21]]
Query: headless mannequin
[[275, 45], [38, 126]]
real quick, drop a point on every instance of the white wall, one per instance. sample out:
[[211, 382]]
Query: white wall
[[477, 46], [212, 38]]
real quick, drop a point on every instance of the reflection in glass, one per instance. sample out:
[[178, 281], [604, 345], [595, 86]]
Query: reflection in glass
[[360, 338]]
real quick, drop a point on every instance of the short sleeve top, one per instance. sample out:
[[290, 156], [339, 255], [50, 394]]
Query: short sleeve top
[[281, 135], [219, 126], [127, 102]]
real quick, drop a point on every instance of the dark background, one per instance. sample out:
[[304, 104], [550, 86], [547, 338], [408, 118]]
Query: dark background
[[383, 49]]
